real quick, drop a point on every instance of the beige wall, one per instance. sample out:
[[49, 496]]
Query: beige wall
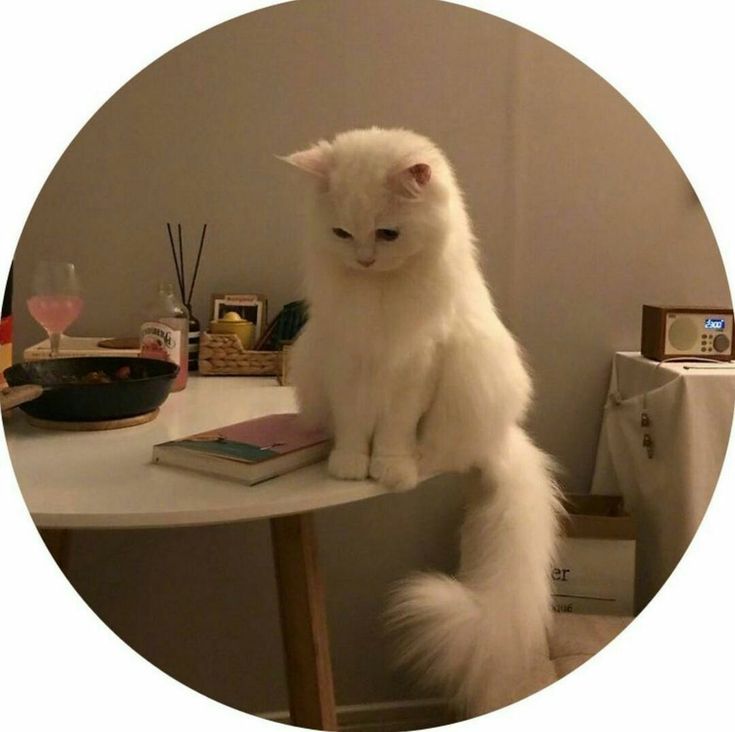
[[581, 212]]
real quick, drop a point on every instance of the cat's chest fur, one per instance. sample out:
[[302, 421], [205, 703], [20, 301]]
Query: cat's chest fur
[[379, 321]]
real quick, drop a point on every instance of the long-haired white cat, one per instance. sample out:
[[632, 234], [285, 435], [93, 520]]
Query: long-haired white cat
[[405, 360]]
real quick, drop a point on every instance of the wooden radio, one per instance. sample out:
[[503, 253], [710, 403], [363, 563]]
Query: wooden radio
[[678, 332]]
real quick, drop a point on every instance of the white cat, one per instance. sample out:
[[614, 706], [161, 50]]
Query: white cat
[[405, 360]]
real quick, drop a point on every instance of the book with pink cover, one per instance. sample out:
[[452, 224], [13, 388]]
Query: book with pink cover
[[250, 451]]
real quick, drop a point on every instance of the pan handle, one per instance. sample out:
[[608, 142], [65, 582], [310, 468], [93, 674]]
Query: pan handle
[[13, 396]]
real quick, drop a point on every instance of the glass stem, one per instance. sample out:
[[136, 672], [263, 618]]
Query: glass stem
[[55, 341]]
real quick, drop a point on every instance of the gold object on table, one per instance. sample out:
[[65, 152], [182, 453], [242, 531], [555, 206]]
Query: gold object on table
[[234, 324]]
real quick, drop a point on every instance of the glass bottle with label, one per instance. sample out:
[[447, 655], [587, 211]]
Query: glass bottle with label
[[165, 333]]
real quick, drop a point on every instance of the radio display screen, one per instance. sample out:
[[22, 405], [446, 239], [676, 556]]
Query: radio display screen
[[714, 323]]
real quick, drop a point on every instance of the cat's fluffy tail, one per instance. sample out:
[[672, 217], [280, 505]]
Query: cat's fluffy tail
[[481, 638]]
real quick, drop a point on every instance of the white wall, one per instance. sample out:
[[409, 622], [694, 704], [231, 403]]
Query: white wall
[[581, 212]]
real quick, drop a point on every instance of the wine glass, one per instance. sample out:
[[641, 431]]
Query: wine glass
[[55, 300]]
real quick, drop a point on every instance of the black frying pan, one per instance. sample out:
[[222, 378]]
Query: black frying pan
[[138, 385]]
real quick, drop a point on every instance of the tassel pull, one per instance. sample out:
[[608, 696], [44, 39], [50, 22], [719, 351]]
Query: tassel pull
[[648, 444]]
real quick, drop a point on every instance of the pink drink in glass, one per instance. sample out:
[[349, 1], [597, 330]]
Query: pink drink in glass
[[55, 312]]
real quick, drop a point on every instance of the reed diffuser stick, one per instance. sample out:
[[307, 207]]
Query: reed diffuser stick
[[182, 282], [179, 262], [196, 266], [179, 276]]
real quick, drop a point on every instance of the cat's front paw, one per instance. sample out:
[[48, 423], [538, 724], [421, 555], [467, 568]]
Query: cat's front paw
[[348, 465], [398, 472]]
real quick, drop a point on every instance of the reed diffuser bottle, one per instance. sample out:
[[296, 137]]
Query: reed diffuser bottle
[[194, 335], [193, 326]]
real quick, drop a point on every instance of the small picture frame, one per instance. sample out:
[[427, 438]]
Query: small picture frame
[[248, 306]]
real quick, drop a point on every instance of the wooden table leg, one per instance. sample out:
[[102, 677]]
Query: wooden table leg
[[304, 622], [57, 541]]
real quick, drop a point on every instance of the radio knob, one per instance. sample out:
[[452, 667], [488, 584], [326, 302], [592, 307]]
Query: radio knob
[[721, 343]]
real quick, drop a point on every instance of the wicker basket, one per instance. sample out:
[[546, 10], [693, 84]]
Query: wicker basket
[[285, 377], [223, 354]]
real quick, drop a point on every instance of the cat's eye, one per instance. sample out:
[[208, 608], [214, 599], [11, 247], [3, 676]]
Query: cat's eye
[[341, 233], [386, 234]]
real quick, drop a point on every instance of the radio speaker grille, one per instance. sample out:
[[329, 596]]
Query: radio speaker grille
[[683, 334]]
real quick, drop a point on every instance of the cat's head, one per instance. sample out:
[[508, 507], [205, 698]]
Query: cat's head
[[381, 197]]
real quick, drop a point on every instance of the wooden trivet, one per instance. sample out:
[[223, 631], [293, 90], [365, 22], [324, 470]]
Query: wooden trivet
[[120, 343], [110, 424]]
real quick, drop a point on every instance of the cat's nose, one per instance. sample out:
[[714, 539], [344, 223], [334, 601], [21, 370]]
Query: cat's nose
[[366, 262]]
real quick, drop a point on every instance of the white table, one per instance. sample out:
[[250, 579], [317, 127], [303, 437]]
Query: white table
[[78, 480], [690, 410]]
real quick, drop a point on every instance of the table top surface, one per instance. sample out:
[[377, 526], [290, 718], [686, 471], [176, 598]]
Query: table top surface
[[635, 374], [106, 479], [688, 365]]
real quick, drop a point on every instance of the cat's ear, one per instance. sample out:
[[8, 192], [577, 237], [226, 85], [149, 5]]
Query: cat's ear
[[411, 181], [316, 160]]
